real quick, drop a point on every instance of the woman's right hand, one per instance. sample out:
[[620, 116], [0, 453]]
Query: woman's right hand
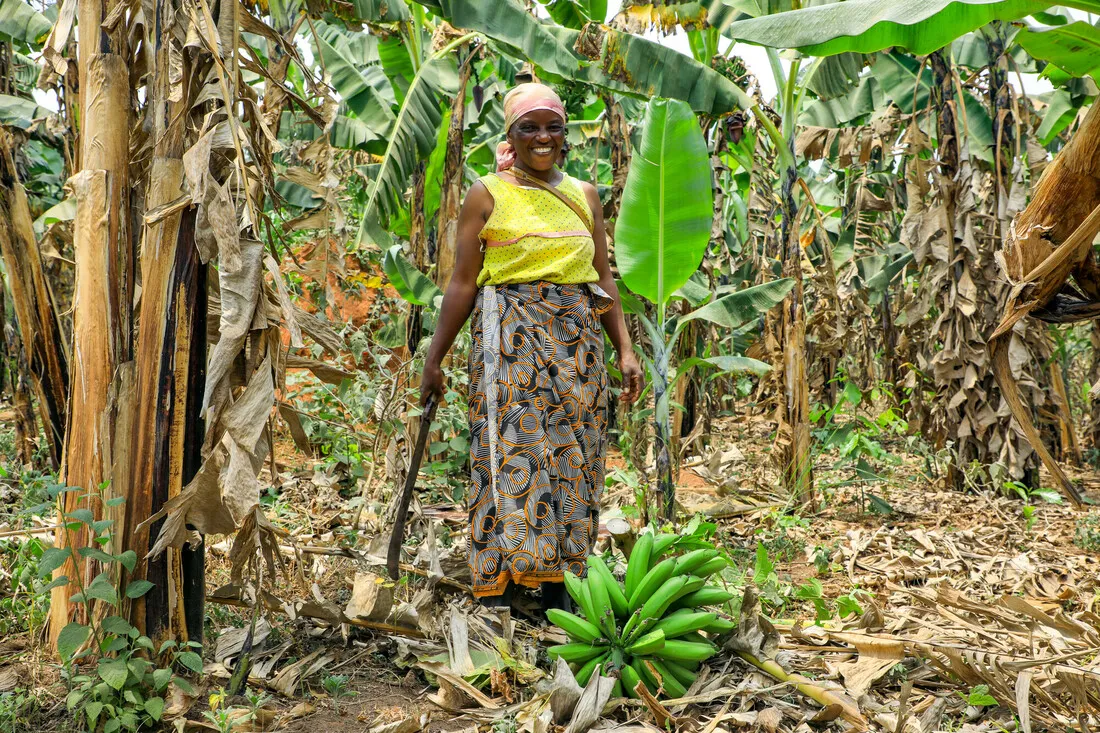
[[431, 382]]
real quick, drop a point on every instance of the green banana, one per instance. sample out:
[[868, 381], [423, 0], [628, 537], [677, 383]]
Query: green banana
[[669, 683], [581, 593], [693, 584], [575, 626], [617, 689], [661, 543], [651, 628], [688, 562], [648, 644], [710, 567], [682, 674], [601, 605], [705, 596], [677, 650], [596, 566], [585, 673], [656, 605], [653, 580], [630, 625], [630, 679], [638, 564], [578, 652], [720, 626], [678, 624]]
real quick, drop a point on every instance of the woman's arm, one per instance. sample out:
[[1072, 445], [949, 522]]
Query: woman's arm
[[458, 301], [613, 321]]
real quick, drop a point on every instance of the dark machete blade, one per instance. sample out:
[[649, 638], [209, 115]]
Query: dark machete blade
[[397, 537]]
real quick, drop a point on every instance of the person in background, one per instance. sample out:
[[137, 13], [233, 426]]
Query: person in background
[[532, 269]]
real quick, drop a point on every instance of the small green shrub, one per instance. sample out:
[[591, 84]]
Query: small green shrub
[[114, 683], [336, 685]]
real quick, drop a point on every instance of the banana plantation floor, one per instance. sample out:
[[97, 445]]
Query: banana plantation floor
[[958, 611]]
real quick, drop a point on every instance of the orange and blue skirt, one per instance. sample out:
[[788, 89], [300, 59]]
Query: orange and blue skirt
[[538, 425]]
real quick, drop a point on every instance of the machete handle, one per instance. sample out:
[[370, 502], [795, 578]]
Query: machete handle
[[397, 535]]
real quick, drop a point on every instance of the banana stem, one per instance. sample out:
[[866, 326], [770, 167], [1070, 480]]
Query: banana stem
[[817, 693]]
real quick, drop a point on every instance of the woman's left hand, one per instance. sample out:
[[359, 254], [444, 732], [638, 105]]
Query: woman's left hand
[[633, 378]]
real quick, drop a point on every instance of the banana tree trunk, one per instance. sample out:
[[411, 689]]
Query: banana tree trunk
[[450, 193], [1050, 240], [793, 436], [662, 429], [943, 101], [32, 301], [103, 298], [618, 135], [168, 383]]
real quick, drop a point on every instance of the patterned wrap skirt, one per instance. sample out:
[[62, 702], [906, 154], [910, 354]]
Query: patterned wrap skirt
[[538, 425]]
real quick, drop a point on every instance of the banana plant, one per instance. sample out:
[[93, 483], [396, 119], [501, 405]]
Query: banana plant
[[661, 236], [859, 26], [867, 26]]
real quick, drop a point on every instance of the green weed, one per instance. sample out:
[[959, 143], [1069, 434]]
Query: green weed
[[114, 684], [1087, 533], [336, 685]]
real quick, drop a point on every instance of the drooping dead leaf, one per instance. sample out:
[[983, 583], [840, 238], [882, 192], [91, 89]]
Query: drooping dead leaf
[[590, 706]]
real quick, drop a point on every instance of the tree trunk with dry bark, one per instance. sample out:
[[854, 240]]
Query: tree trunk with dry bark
[[1048, 242], [32, 301], [103, 299]]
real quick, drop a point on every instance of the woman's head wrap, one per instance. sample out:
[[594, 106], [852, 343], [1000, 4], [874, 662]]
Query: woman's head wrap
[[519, 101]]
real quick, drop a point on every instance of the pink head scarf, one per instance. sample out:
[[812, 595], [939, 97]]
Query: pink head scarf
[[519, 101]]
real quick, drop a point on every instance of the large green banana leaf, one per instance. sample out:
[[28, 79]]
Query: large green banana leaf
[[409, 282], [413, 138], [664, 221], [21, 25], [1073, 48], [724, 364], [356, 74], [737, 309], [351, 133], [612, 59], [866, 26]]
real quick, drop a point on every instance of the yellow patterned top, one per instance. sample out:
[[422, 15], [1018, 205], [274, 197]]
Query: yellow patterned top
[[532, 236]]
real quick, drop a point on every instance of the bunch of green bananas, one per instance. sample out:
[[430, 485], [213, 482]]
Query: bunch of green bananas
[[650, 628]]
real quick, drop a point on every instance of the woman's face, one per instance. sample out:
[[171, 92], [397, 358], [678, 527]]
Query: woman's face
[[538, 138]]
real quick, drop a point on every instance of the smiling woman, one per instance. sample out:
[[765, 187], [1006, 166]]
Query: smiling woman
[[532, 268]]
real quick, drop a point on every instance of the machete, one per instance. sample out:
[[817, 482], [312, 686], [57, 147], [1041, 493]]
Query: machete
[[397, 537]]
